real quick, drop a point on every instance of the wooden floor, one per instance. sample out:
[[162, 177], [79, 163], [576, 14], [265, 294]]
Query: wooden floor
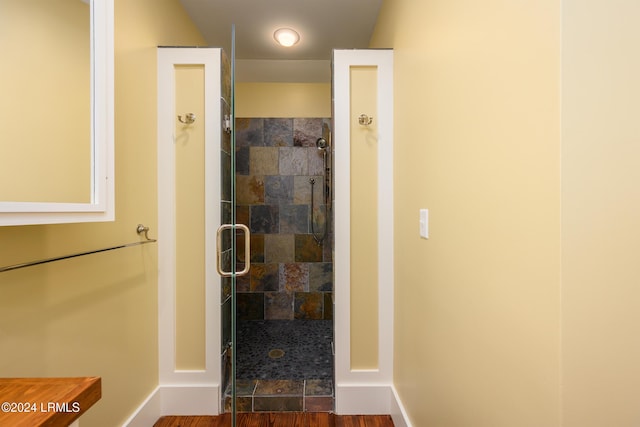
[[279, 419]]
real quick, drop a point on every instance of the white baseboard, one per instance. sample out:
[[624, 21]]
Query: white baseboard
[[371, 400], [176, 400], [205, 400], [363, 399], [398, 413], [147, 413]]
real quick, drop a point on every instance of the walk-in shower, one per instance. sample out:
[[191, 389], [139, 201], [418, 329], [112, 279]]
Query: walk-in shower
[[284, 349]]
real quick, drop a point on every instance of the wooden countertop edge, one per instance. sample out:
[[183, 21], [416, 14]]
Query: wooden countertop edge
[[86, 391]]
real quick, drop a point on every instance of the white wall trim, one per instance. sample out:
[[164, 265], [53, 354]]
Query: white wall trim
[[366, 399], [371, 399], [398, 413], [147, 413], [168, 58], [176, 400], [370, 384]]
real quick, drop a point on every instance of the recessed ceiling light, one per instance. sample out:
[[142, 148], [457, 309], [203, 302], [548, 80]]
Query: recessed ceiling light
[[286, 37]]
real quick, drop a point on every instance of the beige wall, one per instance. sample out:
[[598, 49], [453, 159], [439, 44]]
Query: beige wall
[[97, 315], [190, 334], [506, 116], [477, 142], [363, 281], [600, 213], [283, 99]]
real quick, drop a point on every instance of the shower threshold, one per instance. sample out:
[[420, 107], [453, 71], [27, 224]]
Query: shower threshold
[[282, 396]]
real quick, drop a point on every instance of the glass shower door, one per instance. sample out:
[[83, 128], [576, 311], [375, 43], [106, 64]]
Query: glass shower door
[[233, 239]]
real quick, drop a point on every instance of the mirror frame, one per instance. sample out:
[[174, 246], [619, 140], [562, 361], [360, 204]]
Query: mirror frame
[[102, 204]]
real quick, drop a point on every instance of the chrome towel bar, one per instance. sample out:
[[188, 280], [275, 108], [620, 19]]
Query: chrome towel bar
[[140, 229]]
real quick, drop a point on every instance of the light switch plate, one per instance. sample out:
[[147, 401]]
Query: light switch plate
[[424, 223]]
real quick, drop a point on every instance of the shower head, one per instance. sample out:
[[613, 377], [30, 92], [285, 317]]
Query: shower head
[[321, 143]]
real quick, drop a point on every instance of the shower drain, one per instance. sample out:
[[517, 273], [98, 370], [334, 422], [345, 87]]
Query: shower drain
[[276, 353]]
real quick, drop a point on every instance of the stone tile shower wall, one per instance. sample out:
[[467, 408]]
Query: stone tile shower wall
[[291, 275]]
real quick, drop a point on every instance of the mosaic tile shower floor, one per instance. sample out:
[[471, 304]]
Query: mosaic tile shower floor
[[307, 347], [284, 365]]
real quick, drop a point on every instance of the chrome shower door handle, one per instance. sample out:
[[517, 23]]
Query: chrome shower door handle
[[247, 249]]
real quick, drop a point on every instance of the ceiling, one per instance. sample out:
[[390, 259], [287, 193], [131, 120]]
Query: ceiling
[[322, 24]]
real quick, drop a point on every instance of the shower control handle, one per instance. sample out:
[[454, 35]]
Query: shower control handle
[[247, 249]]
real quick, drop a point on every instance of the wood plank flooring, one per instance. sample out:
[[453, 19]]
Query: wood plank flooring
[[279, 419]]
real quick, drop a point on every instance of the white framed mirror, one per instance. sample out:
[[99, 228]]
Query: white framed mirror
[[56, 112]]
